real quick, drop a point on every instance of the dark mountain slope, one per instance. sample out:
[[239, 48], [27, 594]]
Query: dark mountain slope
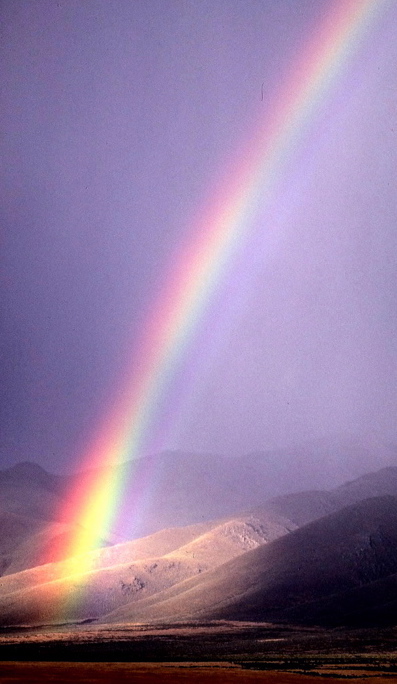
[[371, 605], [341, 552]]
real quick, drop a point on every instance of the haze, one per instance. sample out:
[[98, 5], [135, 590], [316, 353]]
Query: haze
[[120, 120]]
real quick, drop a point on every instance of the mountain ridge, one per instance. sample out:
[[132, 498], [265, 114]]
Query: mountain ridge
[[338, 553]]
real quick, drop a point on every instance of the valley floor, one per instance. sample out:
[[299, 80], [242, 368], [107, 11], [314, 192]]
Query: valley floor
[[147, 673], [218, 652]]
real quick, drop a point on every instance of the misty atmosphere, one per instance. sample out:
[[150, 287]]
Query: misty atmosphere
[[198, 337], [123, 121]]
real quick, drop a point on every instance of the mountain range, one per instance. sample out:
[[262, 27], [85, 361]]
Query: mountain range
[[323, 557], [178, 489]]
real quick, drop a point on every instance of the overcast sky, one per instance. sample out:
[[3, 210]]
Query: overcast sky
[[120, 119]]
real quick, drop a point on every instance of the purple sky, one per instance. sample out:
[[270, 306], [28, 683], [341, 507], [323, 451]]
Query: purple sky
[[120, 118]]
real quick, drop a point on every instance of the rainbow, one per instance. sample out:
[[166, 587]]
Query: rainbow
[[201, 266]]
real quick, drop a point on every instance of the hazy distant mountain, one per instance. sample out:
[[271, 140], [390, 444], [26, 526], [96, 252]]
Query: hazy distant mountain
[[324, 463], [30, 527], [178, 489], [303, 507], [29, 500], [318, 574], [27, 489]]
